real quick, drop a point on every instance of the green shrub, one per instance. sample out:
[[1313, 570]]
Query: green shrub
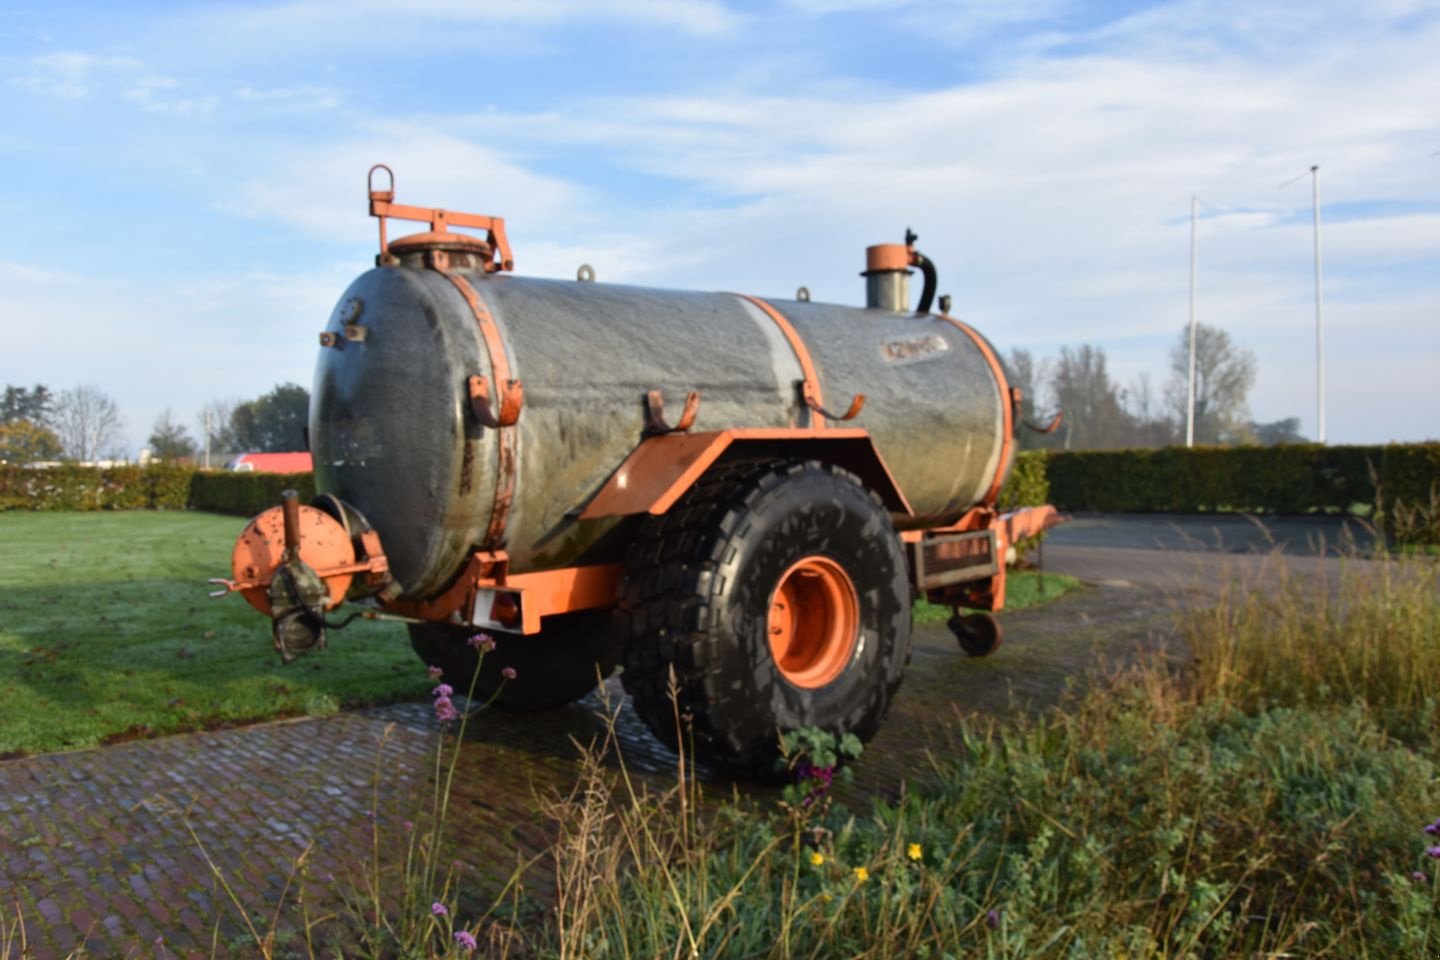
[[246, 494], [1304, 478], [1028, 485], [73, 487]]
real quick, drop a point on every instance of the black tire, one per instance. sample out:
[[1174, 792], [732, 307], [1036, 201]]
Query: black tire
[[979, 634], [698, 589], [552, 668]]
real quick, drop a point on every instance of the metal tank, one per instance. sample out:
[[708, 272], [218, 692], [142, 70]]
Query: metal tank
[[498, 469], [391, 434]]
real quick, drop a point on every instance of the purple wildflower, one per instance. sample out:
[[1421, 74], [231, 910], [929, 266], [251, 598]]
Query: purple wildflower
[[1433, 852], [482, 642], [1419, 877], [1433, 828], [508, 673], [445, 709], [992, 919], [435, 673], [465, 938], [409, 825], [442, 691], [439, 909]]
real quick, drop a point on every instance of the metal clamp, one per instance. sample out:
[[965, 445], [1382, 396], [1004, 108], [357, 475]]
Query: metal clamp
[[512, 399], [655, 421]]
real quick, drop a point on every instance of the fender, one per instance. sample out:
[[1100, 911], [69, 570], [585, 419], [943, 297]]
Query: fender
[[659, 471]]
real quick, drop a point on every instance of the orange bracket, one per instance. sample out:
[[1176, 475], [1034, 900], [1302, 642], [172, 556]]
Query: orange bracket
[[655, 422], [534, 596], [512, 399], [659, 471], [382, 206]]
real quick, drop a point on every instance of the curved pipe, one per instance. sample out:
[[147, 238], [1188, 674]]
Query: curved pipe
[[927, 268]]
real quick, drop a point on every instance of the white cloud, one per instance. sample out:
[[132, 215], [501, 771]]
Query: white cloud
[[289, 99], [350, 22], [72, 75]]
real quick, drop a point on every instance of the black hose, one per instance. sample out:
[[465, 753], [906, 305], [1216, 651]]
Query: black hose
[[927, 293]]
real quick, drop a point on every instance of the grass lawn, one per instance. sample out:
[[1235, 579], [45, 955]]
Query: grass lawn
[[106, 634]]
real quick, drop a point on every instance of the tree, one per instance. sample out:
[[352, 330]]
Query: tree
[[169, 440], [88, 423], [1278, 432], [1148, 424], [1082, 388], [216, 419], [34, 405], [275, 422], [1224, 374], [24, 442]]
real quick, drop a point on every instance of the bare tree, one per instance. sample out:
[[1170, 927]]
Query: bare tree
[[88, 422], [216, 421], [1152, 428], [1094, 415], [1224, 374]]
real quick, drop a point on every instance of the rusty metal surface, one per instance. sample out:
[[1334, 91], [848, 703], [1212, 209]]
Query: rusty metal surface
[[394, 433]]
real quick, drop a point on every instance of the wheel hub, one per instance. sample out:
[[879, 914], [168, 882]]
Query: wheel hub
[[813, 623]]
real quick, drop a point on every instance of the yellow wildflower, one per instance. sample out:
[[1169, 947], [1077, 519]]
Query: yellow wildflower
[[861, 874], [816, 858], [913, 851]]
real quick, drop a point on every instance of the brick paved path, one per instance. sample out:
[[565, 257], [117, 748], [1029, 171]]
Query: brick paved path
[[93, 848]]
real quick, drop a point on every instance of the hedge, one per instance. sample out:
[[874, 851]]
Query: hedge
[[156, 487], [246, 494], [1287, 479], [1306, 478], [70, 487], [1029, 484]]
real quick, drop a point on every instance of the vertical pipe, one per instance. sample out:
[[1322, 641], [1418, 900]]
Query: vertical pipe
[[1190, 397], [1319, 311], [290, 501]]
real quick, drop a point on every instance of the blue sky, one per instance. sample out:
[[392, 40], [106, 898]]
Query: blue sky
[[183, 183]]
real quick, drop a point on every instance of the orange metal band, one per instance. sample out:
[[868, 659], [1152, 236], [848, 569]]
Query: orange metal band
[[811, 387], [1006, 406], [506, 468]]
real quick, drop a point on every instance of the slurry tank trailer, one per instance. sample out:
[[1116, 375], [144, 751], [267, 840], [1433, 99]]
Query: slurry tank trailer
[[506, 455]]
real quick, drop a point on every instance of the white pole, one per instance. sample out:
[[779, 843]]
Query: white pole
[[207, 439], [1319, 311], [1190, 400]]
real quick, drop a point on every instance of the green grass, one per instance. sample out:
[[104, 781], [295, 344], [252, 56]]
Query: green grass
[[1023, 589], [1263, 795], [106, 633]]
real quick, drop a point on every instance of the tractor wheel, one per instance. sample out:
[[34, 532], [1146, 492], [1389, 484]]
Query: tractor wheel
[[552, 668], [780, 596], [979, 634]]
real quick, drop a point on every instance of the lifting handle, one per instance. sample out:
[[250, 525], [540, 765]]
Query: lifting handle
[[655, 422], [512, 399], [807, 391]]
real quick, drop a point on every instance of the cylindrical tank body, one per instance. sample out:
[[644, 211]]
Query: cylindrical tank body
[[392, 433]]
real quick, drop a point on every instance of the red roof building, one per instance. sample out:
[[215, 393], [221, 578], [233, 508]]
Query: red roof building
[[272, 463]]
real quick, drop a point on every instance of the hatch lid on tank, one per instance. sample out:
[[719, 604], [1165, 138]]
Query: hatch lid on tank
[[492, 252]]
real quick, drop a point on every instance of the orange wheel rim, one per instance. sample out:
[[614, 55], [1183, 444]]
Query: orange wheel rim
[[814, 622]]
